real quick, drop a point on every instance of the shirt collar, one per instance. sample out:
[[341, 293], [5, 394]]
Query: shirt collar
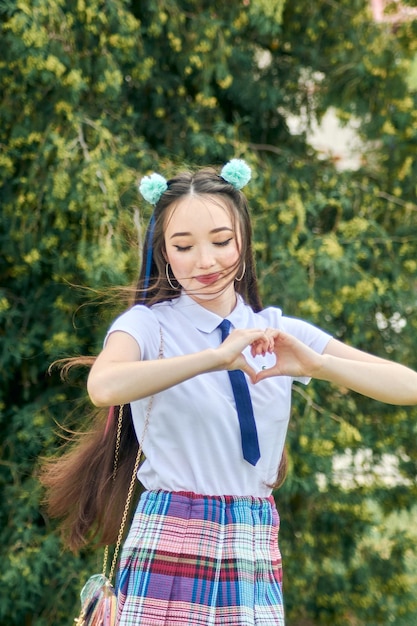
[[206, 320]]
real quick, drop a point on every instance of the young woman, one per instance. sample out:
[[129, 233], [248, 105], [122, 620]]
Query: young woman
[[202, 548]]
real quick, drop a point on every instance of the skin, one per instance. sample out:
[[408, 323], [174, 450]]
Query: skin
[[202, 247]]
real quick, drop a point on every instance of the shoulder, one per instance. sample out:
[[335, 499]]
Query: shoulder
[[301, 329], [308, 333], [141, 323], [272, 316], [137, 314]]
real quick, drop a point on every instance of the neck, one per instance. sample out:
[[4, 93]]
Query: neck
[[221, 304]]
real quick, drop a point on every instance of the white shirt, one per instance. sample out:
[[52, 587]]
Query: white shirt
[[193, 441]]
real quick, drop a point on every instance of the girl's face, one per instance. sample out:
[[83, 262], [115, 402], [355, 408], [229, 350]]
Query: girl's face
[[203, 248]]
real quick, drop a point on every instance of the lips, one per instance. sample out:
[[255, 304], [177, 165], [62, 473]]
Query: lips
[[208, 279]]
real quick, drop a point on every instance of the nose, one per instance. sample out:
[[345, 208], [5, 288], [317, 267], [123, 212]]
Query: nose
[[205, 258]]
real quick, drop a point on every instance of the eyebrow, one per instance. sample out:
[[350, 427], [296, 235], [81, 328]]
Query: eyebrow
[[212, 232]]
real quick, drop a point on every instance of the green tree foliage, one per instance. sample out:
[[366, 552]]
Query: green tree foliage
[[94, 94]]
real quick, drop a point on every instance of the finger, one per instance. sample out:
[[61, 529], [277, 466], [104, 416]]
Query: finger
[[259, 347], [245, 367], [246, 337], [271, 334], [250, 372]]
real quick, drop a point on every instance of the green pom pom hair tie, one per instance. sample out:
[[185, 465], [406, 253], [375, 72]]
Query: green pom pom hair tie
[[152, 187], [236, 172]]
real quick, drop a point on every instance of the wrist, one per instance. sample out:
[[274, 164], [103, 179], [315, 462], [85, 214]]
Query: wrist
[[211, 360], [320, 367]]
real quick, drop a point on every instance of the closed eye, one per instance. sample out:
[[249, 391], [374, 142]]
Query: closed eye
[[183, 248], [223, 243]]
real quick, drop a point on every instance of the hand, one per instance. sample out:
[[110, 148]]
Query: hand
[[232, 347], [293, 358]]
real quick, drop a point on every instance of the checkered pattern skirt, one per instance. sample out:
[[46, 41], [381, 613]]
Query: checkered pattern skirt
[[192, 560]]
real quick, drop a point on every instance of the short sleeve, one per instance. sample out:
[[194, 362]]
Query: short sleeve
[[309, 334], [140, 323]]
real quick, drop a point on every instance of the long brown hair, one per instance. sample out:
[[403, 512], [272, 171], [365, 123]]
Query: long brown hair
[[81, 488]]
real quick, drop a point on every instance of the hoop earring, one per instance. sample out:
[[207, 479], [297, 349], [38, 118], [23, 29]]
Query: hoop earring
[[169, 279], [243, 273]]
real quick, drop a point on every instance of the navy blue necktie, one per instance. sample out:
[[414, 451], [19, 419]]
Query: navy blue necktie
[[249, 436]]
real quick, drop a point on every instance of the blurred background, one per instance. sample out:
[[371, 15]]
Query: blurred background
[[320, 99]]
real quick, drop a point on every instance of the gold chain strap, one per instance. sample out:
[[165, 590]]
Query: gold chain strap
[[134, 473], [118, 437]]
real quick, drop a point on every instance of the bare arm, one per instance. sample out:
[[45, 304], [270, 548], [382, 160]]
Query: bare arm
[[371, 376], [342, 365], [119, 375]]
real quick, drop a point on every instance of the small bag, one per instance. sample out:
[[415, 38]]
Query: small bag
[[98, 596], [98, 602]]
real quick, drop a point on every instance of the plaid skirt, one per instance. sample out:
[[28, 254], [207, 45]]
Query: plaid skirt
[[201, 561]]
